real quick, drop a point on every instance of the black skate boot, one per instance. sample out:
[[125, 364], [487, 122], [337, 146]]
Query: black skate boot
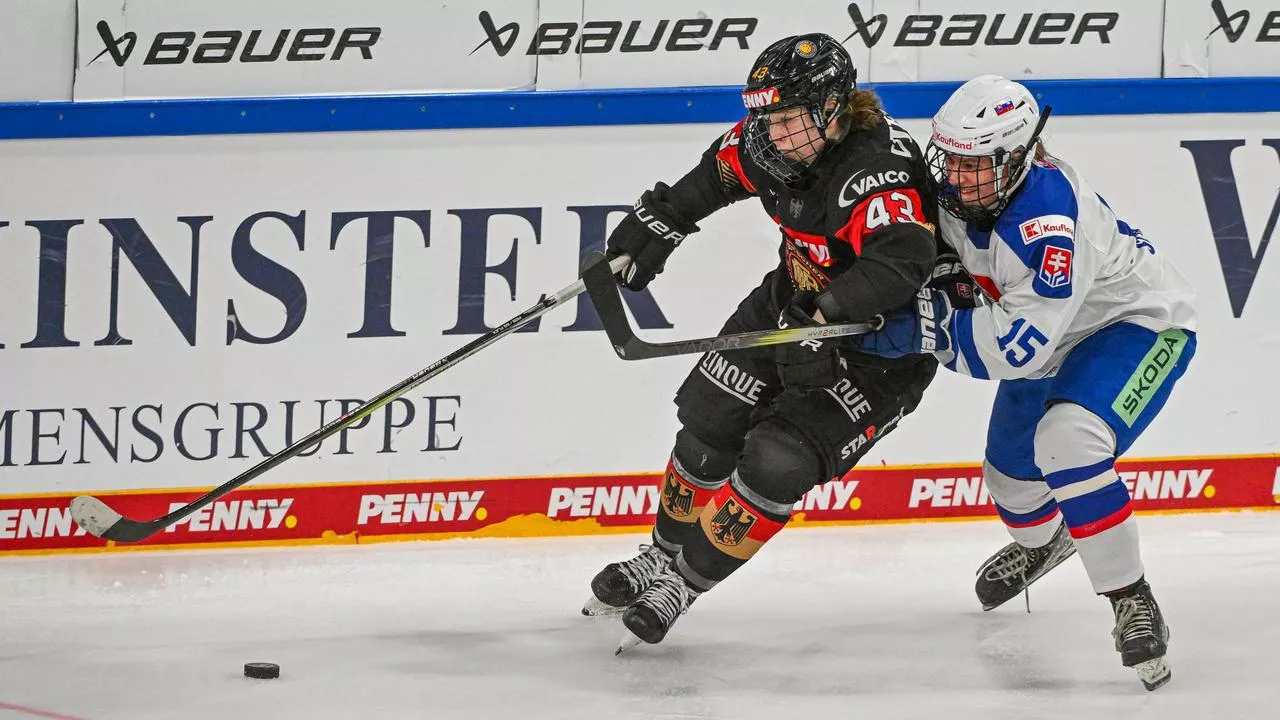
[[614, 588], [1013, 569], [653, 614], [1142, 637]]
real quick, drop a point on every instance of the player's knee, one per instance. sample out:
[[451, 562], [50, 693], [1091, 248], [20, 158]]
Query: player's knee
[[1070, 436], [1014, 494], [779, 464], [707, 459]]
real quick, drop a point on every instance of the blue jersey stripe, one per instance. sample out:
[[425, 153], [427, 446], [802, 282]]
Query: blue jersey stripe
[[1063, 478], [1046, 191], [962, 329], [1095, 506]]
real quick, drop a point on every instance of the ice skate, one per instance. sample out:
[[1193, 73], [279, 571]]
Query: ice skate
[[619, 584], [1014, 568], [1142, 637], [656, 610]]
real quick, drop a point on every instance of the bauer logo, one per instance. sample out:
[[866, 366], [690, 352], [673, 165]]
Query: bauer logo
[[215, 47], [427, 507], [1233, 25], [626, 36], [263, 514], [1028, 28]]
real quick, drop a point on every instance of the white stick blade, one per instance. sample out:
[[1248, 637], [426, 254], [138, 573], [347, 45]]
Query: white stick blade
[[93, 515]]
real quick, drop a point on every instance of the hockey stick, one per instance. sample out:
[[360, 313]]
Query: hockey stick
[[100, 520], [602, 287]]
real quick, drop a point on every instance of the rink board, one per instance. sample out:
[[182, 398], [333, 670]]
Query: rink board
[[178, 308], [583, 505], [88, 50]]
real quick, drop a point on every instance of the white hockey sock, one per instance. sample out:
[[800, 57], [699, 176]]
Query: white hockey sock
[[1076, 451], [1027, 508]]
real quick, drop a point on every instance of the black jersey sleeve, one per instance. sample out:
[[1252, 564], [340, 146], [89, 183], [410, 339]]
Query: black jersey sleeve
[[719, 179], [883, 210]]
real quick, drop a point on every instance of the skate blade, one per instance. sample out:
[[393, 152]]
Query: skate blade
[[1153, 673], [628, 641], [595, 608]]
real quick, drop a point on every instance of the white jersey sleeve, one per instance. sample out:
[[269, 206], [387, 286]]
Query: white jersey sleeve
[[1016, 336], [1044, 274], [1059, 266]]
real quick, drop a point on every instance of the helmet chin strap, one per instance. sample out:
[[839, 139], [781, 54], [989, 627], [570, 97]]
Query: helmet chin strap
[[822, 118], [1007, 186]]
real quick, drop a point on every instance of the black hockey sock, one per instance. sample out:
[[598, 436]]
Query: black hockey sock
[[683, 497], [733, 530]]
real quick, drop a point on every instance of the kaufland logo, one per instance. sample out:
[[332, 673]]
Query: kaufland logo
[[952, 142], [1036, 228]]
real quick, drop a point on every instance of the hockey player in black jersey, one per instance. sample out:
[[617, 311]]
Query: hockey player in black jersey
[[847, 188]]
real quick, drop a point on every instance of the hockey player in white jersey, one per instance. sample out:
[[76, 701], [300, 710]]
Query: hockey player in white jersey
[[1087, 327]]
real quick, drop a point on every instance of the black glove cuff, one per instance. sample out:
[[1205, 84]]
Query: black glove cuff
[[654, 211]]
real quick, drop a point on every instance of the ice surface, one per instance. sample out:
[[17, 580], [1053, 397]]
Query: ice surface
[[859, 622]]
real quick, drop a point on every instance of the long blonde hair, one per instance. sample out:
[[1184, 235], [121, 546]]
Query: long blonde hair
[[863, 111]]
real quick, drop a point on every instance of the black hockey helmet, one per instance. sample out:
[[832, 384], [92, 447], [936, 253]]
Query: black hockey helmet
[[813, 72]]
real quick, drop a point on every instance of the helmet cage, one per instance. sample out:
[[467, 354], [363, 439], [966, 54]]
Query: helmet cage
[[813, 72], [807, 144], [1010, 165]]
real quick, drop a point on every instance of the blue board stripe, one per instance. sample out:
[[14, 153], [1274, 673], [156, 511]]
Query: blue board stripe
[[218, 116]]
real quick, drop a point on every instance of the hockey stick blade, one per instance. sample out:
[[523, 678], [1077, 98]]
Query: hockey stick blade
[[603, 289], [101, 521]]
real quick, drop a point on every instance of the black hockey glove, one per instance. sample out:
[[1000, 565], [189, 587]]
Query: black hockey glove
[[649, 234], [812, 364], [950, 277]]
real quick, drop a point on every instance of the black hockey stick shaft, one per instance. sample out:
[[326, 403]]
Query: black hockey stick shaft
[[100, 520], [603, 288]]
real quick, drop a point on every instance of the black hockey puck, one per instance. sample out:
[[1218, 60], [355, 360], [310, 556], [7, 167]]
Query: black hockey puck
[[261, 671]]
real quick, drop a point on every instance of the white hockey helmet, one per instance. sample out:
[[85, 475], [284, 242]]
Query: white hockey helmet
[[989, 116]]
